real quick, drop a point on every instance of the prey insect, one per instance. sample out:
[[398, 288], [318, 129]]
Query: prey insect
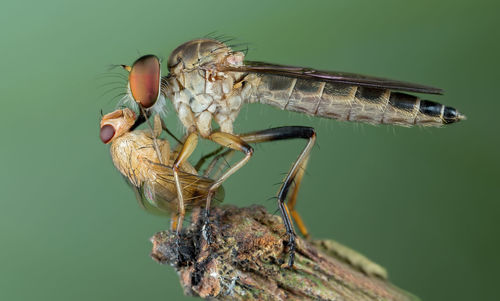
[[134, 155], [208, 81]]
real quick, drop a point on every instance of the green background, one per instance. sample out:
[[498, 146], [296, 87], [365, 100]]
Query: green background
[[422, 202]]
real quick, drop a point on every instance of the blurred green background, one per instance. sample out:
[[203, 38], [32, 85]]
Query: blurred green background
[[422, 202]]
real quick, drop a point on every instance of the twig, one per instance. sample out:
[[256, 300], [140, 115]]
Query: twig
[[246, 256]]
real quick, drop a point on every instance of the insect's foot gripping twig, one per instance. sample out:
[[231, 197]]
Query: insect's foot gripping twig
[[291, 249], [249, 248], [178, 248], [205, 230]]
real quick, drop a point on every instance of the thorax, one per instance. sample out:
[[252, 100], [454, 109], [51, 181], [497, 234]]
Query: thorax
[[198, 98], [199, 91]]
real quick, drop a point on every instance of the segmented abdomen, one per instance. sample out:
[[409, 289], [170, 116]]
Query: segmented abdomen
[[350, 103]]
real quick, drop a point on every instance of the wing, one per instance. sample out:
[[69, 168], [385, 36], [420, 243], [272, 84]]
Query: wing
[[145, 204], [142, 201], [330, 76], [162, 192]]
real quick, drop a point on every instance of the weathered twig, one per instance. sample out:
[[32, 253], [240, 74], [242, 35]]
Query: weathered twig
[[245, 261]]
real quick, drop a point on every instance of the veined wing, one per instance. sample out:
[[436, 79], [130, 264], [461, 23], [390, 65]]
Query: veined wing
[[330, 76], [146, 204], [161, 191]]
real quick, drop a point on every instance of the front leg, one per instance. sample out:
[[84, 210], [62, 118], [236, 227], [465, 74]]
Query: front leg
[[292, 179], [234, 143], [185, 152]]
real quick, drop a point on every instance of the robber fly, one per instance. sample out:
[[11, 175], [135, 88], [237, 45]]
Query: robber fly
[[134, 155], [208, 81]]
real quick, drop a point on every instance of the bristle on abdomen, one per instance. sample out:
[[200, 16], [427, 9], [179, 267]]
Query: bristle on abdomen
[[351, 103]]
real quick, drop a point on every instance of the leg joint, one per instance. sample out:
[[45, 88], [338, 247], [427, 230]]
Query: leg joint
[[248, 150], [308, 132]]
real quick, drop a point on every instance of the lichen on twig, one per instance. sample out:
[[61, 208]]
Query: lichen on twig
[[246, 254]]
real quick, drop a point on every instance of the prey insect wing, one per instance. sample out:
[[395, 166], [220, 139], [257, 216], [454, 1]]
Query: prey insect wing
[[156, 196], [162, 189]]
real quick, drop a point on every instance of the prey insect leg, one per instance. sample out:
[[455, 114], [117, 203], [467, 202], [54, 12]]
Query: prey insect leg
[[293, 178], [153, 134]]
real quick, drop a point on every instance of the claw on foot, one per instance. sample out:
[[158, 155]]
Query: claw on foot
[[178, 248], [206, 227], [291, 251]]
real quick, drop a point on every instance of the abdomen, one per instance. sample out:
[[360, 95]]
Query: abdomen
[[350, 103]]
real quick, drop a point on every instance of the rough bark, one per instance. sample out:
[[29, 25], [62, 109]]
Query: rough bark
[[246, 257]]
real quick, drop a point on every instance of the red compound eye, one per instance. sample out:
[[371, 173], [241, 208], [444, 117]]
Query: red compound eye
[[107, 133], [144, 79]]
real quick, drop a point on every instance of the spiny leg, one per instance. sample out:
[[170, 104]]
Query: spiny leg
[[294, 175], [204, 158], [234, 143], [186, 151], [217, 156], [164, 127], [292, 200], [225, 156], [240, 143]]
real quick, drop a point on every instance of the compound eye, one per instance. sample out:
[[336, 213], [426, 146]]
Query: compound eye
[[107, 133], [144, 79]]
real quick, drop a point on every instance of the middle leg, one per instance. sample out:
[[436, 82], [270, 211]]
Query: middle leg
[[293, 178]]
